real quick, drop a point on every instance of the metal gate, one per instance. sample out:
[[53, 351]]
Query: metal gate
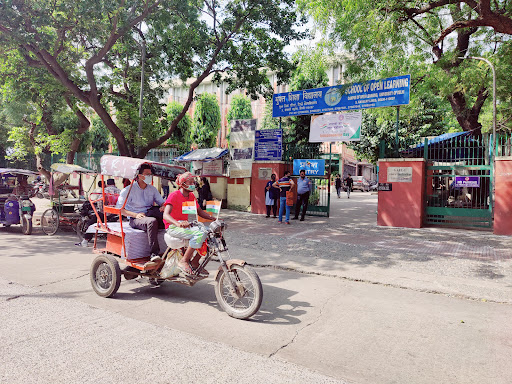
[[319, 198], [459, 182]]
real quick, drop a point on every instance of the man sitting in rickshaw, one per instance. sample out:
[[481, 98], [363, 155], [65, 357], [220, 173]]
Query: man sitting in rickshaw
[[140, 208], [178, 226], [23, 188]]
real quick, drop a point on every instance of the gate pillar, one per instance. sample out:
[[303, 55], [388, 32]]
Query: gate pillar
[[404, 205], [261, 171], [502, 200]]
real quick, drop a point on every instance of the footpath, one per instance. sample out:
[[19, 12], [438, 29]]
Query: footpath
[[470, 264]]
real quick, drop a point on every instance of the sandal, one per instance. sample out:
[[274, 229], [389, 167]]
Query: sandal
[[187, 270]]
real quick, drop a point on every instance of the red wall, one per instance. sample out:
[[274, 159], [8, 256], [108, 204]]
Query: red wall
[[404, 205], [258, 185], [502, 197]]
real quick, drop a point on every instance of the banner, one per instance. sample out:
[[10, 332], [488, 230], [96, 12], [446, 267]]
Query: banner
[[213, 168], [241, 142], [338, 127], [268, 145], [312, 167], [389, 92]]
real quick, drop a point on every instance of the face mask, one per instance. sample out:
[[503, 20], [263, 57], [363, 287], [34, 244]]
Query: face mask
[[190, 188], [148, 179]]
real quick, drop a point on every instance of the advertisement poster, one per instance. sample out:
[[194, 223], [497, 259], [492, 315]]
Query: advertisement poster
[[311, 166], [389, 92], [213, 168], [268, 145], [337, 127], [241, 142]]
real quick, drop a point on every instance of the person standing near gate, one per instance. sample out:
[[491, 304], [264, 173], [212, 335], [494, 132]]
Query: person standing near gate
[[271, 196], [338, 185], [349, 182], [303, 191], [284, 184]]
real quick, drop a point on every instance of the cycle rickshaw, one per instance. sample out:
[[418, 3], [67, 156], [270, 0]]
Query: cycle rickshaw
[[66, 199], [237, 286]]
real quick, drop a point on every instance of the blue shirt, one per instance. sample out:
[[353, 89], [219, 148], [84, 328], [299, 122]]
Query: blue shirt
[[303, 185], [139, 200]]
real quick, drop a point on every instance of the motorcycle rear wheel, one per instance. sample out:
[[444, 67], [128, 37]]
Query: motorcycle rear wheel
[[26, 225], [248, 302], [50, 221], [105, 275]]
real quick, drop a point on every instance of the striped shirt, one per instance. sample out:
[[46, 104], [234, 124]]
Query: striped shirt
[[285, 185]]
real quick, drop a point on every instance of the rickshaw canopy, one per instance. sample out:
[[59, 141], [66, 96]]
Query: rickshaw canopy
[[14, 172], [128, 167], [69, 168]]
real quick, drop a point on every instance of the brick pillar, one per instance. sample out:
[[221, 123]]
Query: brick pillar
[[404, 205], [502, 196], [258, 185]]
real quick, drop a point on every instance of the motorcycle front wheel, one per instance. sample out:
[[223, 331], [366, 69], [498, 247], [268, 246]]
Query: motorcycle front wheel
[[26, 225], [246, 301]]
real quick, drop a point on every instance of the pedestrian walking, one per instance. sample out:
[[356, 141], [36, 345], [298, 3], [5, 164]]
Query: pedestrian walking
[[271, 196], [349, 182], [284, 184], [303, 191], [338, 185]]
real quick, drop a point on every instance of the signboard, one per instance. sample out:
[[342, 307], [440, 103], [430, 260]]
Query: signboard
[[268, 145], [264, 173], [338, 127], [240, 168], [312, 167], [213, 168], [400, 174], [467, 182], [386, 187], [388, 92]]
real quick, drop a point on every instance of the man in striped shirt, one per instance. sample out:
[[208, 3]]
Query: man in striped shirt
[[284, 184]]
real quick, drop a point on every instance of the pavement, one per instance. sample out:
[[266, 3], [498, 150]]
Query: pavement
[[344, 301]]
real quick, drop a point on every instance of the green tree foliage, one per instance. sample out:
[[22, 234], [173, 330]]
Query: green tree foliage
[[207, 121], [98, 57], [239, 109], [429, 41], [182, 135], [269, 122]]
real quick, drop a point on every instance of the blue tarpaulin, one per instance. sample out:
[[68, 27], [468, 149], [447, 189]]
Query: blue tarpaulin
[[205, 154], [441, 138]]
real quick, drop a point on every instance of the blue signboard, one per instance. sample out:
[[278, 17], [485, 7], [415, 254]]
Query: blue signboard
[[388, 92], [312, 167], [467, 182], [268, 145]]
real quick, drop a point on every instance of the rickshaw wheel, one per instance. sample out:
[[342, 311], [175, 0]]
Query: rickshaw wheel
[[50, 221], [26, 225], [105, 275]]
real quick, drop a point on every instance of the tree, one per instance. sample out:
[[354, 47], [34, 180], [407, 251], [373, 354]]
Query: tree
[[97, 57], [398, 34], [182, 135], [207, 122], [239, 109]]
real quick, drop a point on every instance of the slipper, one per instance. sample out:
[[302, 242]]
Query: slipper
[[187, 270]]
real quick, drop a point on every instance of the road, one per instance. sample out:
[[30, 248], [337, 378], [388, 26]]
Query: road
[[323, 318]]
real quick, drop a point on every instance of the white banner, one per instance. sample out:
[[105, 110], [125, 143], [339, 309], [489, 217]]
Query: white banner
[[337, 127], [212, 168], [240, 168]]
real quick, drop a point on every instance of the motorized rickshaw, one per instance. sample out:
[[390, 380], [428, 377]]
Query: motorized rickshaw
[[66, 199], [237, 286], [15, 204]]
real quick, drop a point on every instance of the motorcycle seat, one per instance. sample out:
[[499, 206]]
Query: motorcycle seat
[[175, 242]]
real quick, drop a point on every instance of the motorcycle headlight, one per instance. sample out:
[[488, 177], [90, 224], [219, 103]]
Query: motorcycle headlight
[[217, 226]]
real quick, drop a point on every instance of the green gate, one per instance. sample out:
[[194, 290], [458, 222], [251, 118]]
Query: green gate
[[447, 204], [319, 198]]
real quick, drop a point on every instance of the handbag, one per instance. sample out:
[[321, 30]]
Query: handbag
[[289, 198]]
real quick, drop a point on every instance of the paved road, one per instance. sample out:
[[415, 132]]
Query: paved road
[[363, 316]]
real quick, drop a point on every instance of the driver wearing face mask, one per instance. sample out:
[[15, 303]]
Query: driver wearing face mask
[[140, 208]]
